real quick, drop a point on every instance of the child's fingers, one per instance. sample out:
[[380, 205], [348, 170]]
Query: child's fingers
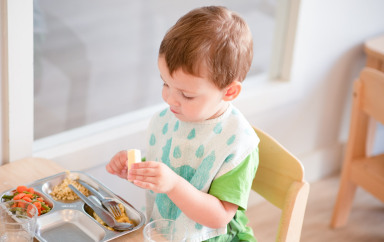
[[117, 165], [122, 173], [145, 164], [122, 156], [147, 179], [144, 185], [147, 168], [109, 169], [143, 171]]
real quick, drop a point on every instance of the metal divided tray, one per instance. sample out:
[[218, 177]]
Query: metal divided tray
[[72, 221]]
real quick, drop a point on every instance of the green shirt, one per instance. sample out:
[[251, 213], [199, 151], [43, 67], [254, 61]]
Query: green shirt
[[234, 187]]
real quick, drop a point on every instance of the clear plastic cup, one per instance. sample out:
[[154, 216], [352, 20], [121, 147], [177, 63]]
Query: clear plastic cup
[[18, 221], [163, 230]]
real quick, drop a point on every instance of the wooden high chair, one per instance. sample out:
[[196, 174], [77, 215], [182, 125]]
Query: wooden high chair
[[280, 180], [358, 168]]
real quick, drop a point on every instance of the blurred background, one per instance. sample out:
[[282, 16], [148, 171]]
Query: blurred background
[[98, 59]]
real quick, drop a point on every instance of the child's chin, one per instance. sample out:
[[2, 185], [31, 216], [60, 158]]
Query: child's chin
[[183, 118], [191, 120]]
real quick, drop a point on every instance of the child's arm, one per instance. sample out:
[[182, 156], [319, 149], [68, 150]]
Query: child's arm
[[201, 207]]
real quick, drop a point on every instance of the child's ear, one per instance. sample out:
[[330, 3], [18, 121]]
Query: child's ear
[[232, 91]]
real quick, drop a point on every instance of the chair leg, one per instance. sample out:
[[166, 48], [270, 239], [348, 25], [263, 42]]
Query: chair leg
[[343, 203]]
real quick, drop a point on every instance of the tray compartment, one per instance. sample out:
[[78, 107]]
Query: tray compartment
[[129, 211], [48, 186], [69, 225], [48, 200]]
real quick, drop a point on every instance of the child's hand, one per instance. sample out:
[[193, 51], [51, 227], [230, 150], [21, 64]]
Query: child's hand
[[118, 164], [152, 175]]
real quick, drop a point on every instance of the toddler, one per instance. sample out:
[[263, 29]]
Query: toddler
[[202, 153]]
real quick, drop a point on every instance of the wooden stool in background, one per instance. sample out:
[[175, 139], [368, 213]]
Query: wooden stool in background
[[374, 50], [360, 169]]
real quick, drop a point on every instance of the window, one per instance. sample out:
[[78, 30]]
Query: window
[[96, 60], [95, 74]]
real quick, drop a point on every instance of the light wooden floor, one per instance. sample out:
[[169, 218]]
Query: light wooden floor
[[366, 221]]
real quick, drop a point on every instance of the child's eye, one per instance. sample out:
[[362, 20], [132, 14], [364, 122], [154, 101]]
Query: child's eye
[[187, 97]]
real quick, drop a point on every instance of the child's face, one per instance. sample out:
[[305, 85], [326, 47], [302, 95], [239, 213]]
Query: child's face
[[191, 98]]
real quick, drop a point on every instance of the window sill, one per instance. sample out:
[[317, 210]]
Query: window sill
[[95, 144], [260, 95]]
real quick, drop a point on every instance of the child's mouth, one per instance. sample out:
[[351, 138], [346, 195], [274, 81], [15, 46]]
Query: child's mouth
[[173, 111]]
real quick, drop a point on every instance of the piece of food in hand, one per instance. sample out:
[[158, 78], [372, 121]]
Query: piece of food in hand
[[134, 156], [28, 194]]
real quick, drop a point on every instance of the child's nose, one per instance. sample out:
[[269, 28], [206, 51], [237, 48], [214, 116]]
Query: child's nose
[[172, 99]]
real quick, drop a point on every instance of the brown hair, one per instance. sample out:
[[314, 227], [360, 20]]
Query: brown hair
[[213, 36]]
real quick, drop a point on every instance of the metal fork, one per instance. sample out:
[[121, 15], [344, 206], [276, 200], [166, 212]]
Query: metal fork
[[106, 217], [110, 204]]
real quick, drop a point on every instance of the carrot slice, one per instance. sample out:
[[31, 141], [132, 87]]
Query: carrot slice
[[37, 204], [21, 189], [21, 205], [28, 195], [27, 199], [30, 214], [19, 196], [31, 190]]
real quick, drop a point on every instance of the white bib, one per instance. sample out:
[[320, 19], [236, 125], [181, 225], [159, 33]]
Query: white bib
[[199, 152]]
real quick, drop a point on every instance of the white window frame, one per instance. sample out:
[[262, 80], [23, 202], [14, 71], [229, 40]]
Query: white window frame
[[94, 144], [17, 79]]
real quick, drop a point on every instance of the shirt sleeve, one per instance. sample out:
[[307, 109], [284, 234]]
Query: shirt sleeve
[[235, 185]]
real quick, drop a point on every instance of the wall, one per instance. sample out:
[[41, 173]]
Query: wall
[[328, 57]]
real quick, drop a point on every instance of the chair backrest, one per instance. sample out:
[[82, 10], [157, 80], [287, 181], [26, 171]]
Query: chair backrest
[[280, 180]]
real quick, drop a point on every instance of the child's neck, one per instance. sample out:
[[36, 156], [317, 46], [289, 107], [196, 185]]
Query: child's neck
[[222, 110]]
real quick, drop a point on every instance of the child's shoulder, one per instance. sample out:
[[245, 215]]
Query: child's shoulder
[[237, 120]]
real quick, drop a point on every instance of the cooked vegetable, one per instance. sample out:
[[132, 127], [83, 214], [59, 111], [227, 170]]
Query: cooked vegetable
[[19, 196], [8, 197], [27, 199], [28, 195], [21, 189]]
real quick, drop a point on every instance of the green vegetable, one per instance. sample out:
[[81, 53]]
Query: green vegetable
[[45, 206], [7, 197]]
